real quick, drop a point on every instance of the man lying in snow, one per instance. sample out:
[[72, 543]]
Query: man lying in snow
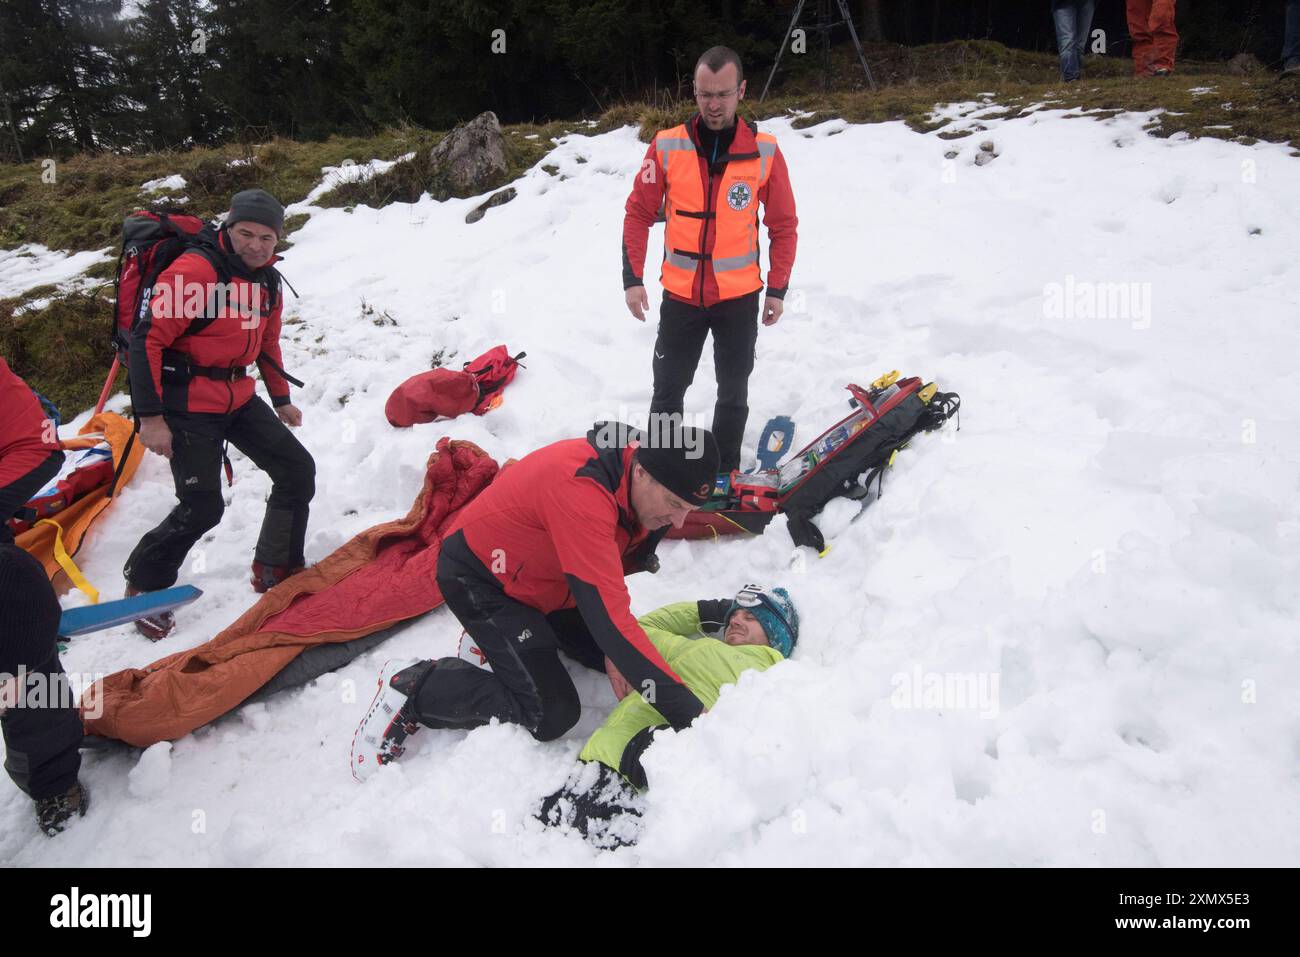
[[708, 643]]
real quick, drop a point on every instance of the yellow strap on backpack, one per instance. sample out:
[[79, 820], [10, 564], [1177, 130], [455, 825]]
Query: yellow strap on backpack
[[68, 565]]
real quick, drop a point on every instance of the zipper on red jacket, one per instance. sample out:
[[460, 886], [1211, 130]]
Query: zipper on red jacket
[[231, 383], [704, 232]]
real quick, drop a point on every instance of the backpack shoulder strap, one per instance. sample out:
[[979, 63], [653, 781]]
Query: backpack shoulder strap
[[272, 281], [224, 275]]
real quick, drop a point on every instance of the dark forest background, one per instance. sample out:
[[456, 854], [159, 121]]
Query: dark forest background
[[93, 75]]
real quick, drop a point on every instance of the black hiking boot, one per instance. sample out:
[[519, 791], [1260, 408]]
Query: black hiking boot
[[53, 814]]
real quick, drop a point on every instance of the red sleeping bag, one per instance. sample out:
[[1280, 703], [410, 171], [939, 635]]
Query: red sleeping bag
[[381, 576], [445, 393]]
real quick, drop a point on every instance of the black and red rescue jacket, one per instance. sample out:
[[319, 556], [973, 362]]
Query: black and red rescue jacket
[[557, 529], [29, 446], [196, 327]]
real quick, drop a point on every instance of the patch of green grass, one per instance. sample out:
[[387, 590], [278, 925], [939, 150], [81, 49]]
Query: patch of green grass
[[914, 80], [406, 182], [83, 207], [61, 347]]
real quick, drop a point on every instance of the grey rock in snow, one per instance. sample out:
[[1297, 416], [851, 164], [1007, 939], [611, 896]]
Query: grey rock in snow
[[499, 198], [471, 159]]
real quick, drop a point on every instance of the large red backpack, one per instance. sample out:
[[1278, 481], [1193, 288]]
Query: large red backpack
[[447, 393], [152, 241], [884, 420]]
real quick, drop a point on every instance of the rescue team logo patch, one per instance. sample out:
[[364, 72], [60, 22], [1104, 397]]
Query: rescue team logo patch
[[739, 195]]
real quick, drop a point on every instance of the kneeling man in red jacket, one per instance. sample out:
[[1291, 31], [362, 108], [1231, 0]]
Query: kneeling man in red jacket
[[534, 566]]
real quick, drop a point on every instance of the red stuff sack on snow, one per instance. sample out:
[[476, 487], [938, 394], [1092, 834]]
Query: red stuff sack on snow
[[447, 394]]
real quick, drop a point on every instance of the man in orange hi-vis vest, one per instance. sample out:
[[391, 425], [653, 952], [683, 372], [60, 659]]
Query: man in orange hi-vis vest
[[709, 176]]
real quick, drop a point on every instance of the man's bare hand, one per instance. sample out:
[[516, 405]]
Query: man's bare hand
[[156, 436], [616, 681], [289, 414], [637, 301], [772, 309]]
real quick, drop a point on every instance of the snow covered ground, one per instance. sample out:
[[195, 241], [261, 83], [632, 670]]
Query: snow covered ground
[[1108, 551], [32, 265]]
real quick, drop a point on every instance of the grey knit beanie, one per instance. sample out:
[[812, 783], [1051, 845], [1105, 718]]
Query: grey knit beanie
[[256, 206]]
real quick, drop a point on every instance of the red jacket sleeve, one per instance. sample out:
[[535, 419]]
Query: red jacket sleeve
[[580, 519], [642, 212], [175, 304], [276, 384], [29, 445], [782, 225]]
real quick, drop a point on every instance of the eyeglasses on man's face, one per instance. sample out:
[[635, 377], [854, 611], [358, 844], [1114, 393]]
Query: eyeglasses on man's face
[[719, 97]]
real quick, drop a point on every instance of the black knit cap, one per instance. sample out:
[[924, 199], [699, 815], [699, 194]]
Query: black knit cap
[[686, 464], [29, 611], [257, 206]]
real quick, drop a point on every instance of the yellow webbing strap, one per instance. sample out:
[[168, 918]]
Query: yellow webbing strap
[[68, 565]]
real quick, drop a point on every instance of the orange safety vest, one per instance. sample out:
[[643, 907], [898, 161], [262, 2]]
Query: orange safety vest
[[734, 224]]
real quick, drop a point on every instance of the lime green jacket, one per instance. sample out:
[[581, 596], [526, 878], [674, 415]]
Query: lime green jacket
[[705, 664]]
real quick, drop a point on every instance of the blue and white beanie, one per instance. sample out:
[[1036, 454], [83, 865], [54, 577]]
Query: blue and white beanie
[[775, 612]]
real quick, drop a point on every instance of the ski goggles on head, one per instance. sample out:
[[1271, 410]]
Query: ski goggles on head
[[754, 596]]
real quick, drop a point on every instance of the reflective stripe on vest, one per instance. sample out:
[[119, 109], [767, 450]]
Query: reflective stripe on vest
[[732, 226]]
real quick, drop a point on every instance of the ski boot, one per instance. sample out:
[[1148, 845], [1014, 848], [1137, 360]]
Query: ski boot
[[155, 627], [382, 734], [266, 577]]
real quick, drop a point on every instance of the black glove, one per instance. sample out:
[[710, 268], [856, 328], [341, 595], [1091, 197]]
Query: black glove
[[598, 803]]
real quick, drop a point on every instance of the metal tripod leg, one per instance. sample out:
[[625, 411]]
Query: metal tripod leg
[[794, 20], [853, 33], [862, 57]]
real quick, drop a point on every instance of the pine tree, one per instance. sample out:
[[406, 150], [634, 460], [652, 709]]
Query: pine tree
[[72, 55], [167, 67], [281, 68]]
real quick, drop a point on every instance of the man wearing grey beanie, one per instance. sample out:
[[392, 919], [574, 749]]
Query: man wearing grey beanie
[[192, 394]]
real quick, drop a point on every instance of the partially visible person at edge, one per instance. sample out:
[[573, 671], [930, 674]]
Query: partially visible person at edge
[[708, 177], [1073, 21], [1291, 41], [38, 716], [1155, 36], [191, 391]]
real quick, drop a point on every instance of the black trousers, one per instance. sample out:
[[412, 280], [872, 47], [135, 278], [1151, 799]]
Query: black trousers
[[42, 739], [682, 330], [528, 684], [197, 440], [42, 729]]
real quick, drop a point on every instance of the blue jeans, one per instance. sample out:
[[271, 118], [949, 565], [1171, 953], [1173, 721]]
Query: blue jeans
[[1073, 24], [1291, 48]]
